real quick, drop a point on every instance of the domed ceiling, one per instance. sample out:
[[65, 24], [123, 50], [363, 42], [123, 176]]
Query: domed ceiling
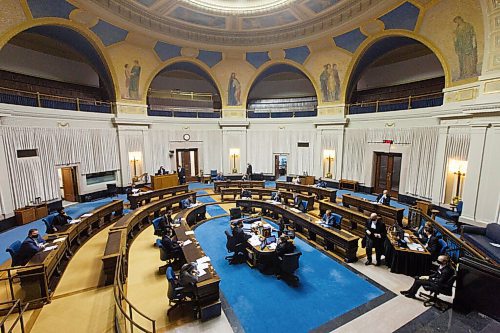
[[241, 22]]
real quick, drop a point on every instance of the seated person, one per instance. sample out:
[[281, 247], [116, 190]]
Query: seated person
[[220, 176], [161, 171], [30, 246], [188, 277], [60, 219], [276, 196], [245, 177], [421, 231], [170, 244], [166, 222], [432, 243], [296, 180], [245, 193], [285, 245], [435, 281], [186, 203], [282, 225], [296, 200], [239, 234], [384, 198], [329, 219], [320, 183]]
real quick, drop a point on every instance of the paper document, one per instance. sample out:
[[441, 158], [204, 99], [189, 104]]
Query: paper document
[[187, 242], [87, 215], [203, 259], [189, 232], [295, 210], [495, 244], [415, 247], [50, 248], [272, 246], [319, 221], [74, 221], [203, 265], [59, 240], [201, 272]]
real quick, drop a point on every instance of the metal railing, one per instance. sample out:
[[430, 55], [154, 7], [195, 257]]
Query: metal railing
[[403, 103], [123, 306], [184, 112], [182, 95], [37, 99], [457, 248], [13, 276], [15, 306], [290, 112]]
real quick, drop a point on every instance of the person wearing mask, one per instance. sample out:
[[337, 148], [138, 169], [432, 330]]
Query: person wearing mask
[[435, 281], [239, 234], [170, 244], [296, 180], [166, 223], [375, 233], [30, 246], [245, 194], [285, 245], [432, 243], [161, 171], [220, 176], [60, 220], [384, 198], [276, 197], [421, 232], [296, 200], [186, 203]]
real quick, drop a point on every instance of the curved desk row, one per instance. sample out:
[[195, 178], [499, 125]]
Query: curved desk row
[[336, 240], [124, 229], [390, 215], [141, 198], [261, 192], [41, 274], [320, 192], [218, 184], [352, 220]]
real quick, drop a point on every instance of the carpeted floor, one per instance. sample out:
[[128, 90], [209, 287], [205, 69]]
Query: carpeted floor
[[263, 303]]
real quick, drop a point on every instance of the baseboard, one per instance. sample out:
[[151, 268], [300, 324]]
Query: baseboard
[[8, 223]]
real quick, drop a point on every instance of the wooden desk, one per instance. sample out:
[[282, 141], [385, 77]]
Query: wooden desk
[[390, 215], [137, 200], [261, 192], [402, 260], [320, 192], [336, 240], [348, 184], [258, 257], [352, 220], [116, 248], [218, 184], [164, 181]]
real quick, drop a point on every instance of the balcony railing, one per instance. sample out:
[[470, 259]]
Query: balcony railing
[[184, 112], [29, 98], [404, 103]]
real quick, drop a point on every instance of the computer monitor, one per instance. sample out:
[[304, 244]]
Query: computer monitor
[[270, 240]]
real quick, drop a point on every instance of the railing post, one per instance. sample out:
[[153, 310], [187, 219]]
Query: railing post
[[376, 106], [77, 104], [131, 319], [409, 102], [38, 99]]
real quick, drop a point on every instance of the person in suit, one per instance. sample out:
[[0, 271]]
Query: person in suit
[[282, 225], [188, 277], [285, 245], [170, 244], [244, 177], [181, 173], [239, 234], [161, 171], [296, 180], [375, 233], [384, 198], [421, 232], [296, 200], [321, 183], [245, 193], [432, 244], [30, 246], [220, 176], [60, 219], [276, 197], [435, 281], [165, 224], [186, 203], [249, 171], [328, 218]]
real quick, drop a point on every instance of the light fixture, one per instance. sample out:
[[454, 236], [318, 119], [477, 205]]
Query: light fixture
[[134, 157], [234, 152], [459, 168], [329, 155]]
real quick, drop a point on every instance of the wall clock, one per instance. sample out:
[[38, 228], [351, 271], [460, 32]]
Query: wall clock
[[186, 137]]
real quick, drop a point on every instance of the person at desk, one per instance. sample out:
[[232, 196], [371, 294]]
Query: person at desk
[[375, 236], [320, 183], [435, 281], [296, 180], [219, 176], [170, 244], [296, 200], [239, 234], [60, 219], [30, 246], [421, 232], [432, 244], [244, 177], [384, 198], [245, 194], [166, 223], [249, 171], [276, 197], [181, 173], [188, 277], [186, 203], [285, 245], [330, 220], [161, 171]]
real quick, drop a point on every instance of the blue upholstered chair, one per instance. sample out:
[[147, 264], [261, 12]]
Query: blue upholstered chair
[[338, 220], [303, 206], [156, 226], [287, 265], [13, 249], [213, 175], [49, 223], [453, 216], [176, 294], [443, 246]]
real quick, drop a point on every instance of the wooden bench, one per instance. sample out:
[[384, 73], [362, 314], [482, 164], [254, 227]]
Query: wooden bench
[[218, 184], [390, 215], [320, 192], [265, 192], [137, 200], [348, 184]]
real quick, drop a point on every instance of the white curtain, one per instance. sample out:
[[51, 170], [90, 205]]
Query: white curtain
[[354, 154], [457, 146], [94, 150], [329, 141]]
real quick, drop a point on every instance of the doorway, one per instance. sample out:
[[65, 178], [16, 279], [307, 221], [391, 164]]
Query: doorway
[[188, 159], [388, 172], [69, 184], [280, 165]]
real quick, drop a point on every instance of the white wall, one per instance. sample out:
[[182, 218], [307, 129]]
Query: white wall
[[21, 60], [412, 70]]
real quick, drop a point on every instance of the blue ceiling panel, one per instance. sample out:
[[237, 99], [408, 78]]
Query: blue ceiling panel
[[108, 33], [350, 41], [50, 8], [257, 59], [210, 58], [297, 54], [403, 17], [167, 51]]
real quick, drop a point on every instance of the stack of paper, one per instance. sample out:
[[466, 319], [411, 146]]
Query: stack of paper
[[203, 259], [187, 242], [50, 248], [254, 241], [87, 215], [415, 247], [295, 210], [189, 232], [59, 240], [74, 221]]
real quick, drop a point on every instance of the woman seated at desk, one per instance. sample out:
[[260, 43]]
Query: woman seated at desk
[[188, 278]]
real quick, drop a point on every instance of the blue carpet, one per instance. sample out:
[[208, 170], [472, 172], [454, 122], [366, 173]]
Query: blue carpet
[[263, 303], [19, 233], [270, 183], [196, 186], [213, 210]]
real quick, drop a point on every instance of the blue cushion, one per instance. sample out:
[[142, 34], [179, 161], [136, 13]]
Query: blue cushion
[[337, 218], [170, 274], [493, 232], [156, 222], [483, 244]]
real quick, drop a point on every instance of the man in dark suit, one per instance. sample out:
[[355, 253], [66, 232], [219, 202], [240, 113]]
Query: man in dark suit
[[284, 246], [239, 234], [321, 183], [375, 233], [436, 281], [161, 171], [328, 218], [170, 245], [432, 243], [60, 219], [276, 196], [30, 246], [245, 193], [384, 198], [181, 173], [249, 171]]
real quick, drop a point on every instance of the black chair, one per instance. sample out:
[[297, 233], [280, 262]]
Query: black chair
[[49, 224], [287, 265], [112, 190], [176, 294], [213, 175], [170, 258], [235, 213], [13, 250], [432, 299], [238, 250]]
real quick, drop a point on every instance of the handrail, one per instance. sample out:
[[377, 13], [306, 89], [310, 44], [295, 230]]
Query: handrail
[[7, 275], [165, 94], [182, 109], [38, 94], [377, 103], [16, 304]]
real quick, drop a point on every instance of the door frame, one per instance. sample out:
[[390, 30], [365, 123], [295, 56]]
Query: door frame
[[74, 175], [390, 165], [196, 162]]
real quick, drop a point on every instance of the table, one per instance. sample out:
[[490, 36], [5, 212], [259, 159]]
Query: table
[[137, 200], [218, 184], [320, 192], [402, 260], [390, 215], [352, 220], [258, 257], [261, 192], [339, 241], [351, 184]]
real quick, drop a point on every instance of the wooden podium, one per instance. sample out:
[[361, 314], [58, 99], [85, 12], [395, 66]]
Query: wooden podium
[[164, 181], [306, 180]]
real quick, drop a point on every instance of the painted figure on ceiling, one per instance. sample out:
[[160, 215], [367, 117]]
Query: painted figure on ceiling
[[135, 75], [127, 81], [234, 91], [330, 83], [465, 48], [323, 78]]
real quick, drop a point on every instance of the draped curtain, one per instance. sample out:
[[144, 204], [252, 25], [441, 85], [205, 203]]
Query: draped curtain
[[457, 146], [94, 150], [329, 141], [354, 154]]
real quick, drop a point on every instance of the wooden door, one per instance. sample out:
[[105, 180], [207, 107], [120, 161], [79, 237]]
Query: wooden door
[[276, 166], [188, 159], [69, 184], [387, 173]]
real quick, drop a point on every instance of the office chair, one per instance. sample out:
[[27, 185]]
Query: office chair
[[112, 190], [287, 265], [303, 206], [338, 220], [443, 246], [235, 213], [238, 250], [49, 224], [156, 225], [213, 175], [176, 295], [432, 299], [13, 250], [170, 258], [453, 216]]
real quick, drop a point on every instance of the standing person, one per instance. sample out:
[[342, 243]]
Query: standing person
[[465, 48], [375, 233], [127, 81], [181, 173], [249, 171], [336, 78], [233, 91], [323, 78]]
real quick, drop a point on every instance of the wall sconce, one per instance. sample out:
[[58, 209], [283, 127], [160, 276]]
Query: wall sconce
[[234, 152], [134, 157], [459, 168], [329, 155]]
